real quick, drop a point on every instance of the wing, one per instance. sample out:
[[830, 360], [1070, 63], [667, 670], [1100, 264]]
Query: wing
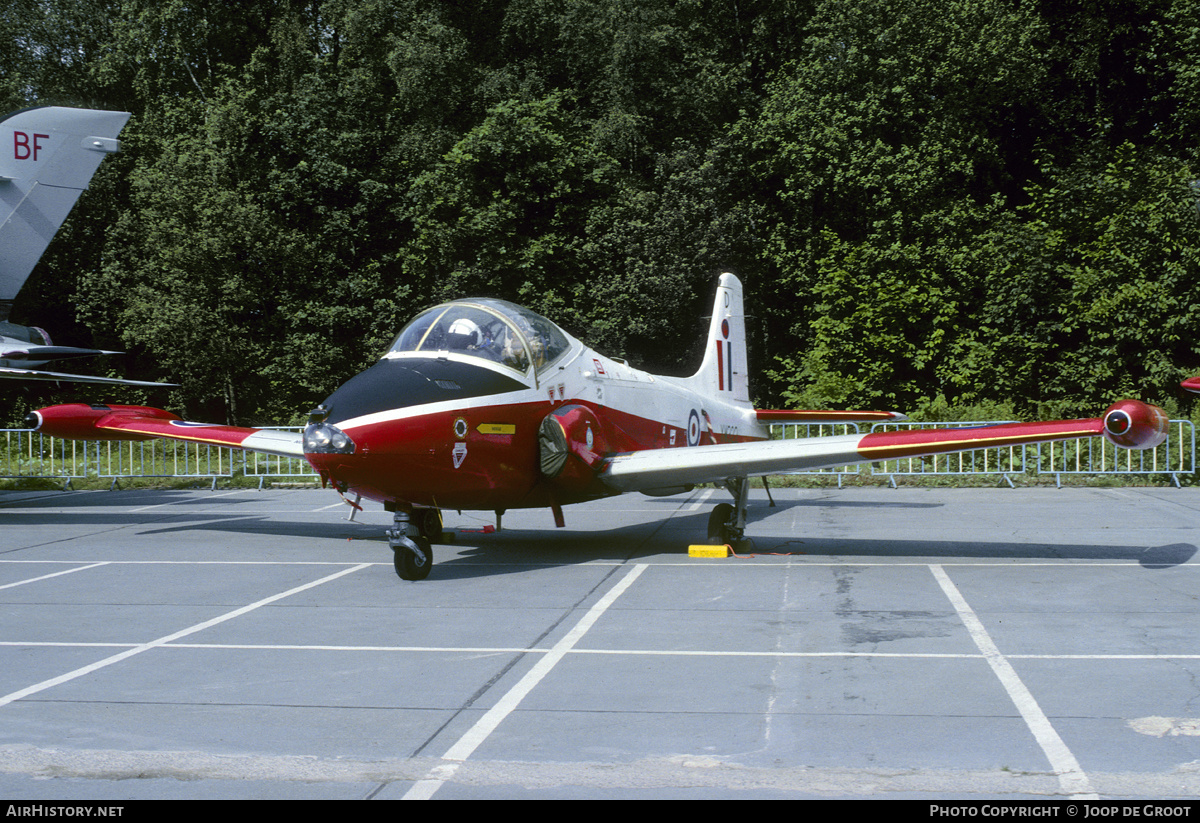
[[80, 421], [1129, 423], [62, 377]]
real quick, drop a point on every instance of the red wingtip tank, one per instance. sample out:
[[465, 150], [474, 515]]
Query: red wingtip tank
[[82, 421], [1133, 424]]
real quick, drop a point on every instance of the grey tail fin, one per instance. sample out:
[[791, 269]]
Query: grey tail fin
[[48, 155]]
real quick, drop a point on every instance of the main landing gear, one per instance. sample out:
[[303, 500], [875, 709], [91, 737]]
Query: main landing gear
[[411, 540], [727, 523]]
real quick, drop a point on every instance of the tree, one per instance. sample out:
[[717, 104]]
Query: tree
[[502, 213], [880, 151], [1118, 237]]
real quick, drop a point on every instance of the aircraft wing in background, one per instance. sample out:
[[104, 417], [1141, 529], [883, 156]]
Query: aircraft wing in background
[[9, 373]]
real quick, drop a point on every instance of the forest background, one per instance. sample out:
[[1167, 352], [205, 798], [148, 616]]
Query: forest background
[[954, 208]]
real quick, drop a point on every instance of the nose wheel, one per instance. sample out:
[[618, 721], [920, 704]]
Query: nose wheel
[[412, 551], [412, 557]]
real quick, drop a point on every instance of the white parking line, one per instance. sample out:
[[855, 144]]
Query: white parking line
[[772, 653], [1070, 775], [707, 493], [153, 644], [469, 742], [54, 574]]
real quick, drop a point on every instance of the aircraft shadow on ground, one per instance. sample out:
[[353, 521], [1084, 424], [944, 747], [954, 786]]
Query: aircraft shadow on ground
[[633, 542], [824, 548], [121, 499], [511, 550]]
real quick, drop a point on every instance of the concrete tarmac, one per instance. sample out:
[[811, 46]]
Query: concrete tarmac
[[1007, 644]]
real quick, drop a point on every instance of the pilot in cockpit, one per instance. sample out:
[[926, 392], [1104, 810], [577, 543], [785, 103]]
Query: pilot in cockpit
[[464, 335], [497, 342]]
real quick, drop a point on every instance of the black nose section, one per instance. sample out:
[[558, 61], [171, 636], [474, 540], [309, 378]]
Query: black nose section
[[403, 383]]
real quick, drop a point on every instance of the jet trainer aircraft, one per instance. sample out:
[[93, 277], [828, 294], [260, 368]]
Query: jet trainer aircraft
[[48, 155], [481, 404]]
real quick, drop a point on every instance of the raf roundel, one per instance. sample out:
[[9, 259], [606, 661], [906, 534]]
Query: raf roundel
[[694, 428]]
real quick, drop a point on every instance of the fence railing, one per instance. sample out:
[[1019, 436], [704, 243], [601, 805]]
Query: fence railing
[[795, 431], [1175, 457], [265, 466], [28, 454], [1000, 460]]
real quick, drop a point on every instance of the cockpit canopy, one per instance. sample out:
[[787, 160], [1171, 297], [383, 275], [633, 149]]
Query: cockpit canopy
[[494, 330]]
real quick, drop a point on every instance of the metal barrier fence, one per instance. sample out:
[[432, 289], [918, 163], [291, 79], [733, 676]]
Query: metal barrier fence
[[1175, 457], [1002, 460], [118, 459], [264, 466], [793, 431], [26, 454]]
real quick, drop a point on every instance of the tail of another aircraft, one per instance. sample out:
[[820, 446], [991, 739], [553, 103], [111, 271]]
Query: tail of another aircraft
[[48, 155], [724, 372]]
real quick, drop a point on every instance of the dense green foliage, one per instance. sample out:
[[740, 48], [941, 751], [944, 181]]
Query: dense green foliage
[[931, 202]]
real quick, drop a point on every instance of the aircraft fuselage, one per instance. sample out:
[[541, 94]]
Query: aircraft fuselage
[[450, 430]]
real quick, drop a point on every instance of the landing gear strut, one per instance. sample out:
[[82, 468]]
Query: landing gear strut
[[727, 523], [412, 551]]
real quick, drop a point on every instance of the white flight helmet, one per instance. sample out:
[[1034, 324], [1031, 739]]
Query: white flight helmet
[[464, 334]]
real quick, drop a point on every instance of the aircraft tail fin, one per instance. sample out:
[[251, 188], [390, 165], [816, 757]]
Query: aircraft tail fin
[[724, 370], [48, 155]]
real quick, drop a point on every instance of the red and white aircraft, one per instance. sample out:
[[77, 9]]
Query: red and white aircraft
[[480, 404]]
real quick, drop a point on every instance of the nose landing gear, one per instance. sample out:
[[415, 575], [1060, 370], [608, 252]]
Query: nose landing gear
[[412, 557], [412, 544]]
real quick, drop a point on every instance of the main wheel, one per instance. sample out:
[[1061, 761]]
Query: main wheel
[[718, 524], [413, 565]]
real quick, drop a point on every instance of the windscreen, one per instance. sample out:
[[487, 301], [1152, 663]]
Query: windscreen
[[494, 330]]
